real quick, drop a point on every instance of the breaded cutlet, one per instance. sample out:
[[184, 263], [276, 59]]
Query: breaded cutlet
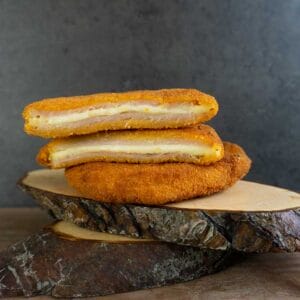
[[147, 109], [199, 145]]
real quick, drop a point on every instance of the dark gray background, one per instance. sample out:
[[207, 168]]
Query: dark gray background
[[246, 53]]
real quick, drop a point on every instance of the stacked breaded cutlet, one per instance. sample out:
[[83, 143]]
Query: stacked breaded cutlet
[[147, 147]]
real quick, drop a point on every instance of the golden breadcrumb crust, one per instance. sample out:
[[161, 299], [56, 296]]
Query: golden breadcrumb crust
[[156, 184], [203, 134], [157, 96]]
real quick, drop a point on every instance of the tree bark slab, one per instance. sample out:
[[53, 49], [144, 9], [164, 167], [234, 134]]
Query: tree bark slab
[[64, 260], [248, 217]]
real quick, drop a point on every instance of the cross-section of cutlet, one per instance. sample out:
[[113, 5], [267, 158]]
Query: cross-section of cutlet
[[157, 109], [199, 145]]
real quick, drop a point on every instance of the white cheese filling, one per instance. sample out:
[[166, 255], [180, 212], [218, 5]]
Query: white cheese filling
[[77, 151], [68, 117]]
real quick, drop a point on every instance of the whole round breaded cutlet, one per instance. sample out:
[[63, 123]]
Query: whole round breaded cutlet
[[156, 184]]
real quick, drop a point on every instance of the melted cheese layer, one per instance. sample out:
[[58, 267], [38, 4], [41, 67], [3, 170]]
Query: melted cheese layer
[[189, 149], [69, 117]]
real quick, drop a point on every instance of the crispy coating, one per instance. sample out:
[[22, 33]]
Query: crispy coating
[[159, 96], [84, 103], [156, 184], [203, 135]]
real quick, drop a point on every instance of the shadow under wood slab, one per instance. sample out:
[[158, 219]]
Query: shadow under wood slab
[[248, 217], [64, 260]]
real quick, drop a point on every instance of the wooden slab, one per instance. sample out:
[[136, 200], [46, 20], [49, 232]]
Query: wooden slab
[[219, 222], [66, 261], [263, 276], [244, 196]]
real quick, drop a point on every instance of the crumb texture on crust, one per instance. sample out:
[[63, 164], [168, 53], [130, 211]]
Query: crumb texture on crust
[[160, 96], [156, 184], [41, 116], [107, 146]]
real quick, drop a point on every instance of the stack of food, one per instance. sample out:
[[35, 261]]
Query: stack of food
[[147, 147]]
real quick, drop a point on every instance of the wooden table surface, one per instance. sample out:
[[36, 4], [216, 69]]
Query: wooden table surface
[[261, 276]]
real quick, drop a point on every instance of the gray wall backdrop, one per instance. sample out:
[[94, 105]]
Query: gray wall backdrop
[[246, 53]]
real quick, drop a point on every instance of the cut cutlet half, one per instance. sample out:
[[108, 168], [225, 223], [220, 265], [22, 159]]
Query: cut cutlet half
[[200, 145], [156, 184], [157, 109]]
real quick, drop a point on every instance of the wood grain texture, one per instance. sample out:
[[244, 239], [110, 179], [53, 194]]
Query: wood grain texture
[[264, 276], [190, 225]]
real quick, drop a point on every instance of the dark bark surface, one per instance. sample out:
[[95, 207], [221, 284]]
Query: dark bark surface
[[244, 231], [48, 264]]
